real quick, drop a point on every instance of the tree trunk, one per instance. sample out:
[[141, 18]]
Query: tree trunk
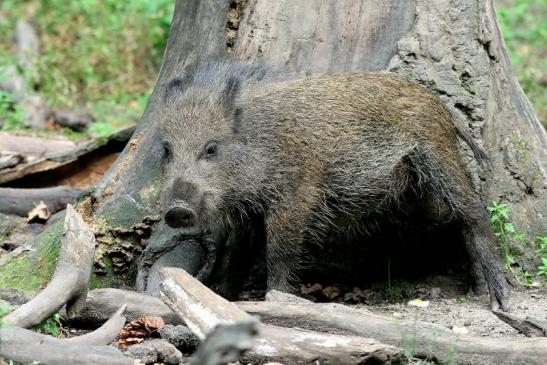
[[453, 47]]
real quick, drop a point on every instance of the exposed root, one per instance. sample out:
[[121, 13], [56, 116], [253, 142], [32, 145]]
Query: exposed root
[[105, 334], [70, 280]]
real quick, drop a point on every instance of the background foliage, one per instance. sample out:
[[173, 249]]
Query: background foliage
[[524, 27], [100, 55], [103, 55]]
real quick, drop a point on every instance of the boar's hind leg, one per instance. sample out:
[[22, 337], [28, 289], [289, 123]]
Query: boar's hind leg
[[285, 227], [479, 239], [449, 183]]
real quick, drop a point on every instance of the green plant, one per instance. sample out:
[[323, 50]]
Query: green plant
[[51, 325], [11, 114], [524, 27], [542, 252], [507, 234], [102, 129], [4, 309], [101, 56]]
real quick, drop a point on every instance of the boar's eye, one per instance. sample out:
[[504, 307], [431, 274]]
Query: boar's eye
[[167, 152], [211, 149]]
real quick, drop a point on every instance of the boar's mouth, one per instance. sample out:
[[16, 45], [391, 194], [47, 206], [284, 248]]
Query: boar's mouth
[[193, 233]]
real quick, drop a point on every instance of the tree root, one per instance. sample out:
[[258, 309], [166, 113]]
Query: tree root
[[101, 303], [202, 310], [528, 326], [105, 334], [428, 340], [24, 347], [70, 280]]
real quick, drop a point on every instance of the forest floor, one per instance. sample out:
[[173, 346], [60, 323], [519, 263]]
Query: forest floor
[[449, 308]]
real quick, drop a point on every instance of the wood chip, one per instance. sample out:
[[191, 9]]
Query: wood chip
[[39, 214]]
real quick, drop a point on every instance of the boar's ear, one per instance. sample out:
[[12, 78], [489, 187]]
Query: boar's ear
[[177, 86], [231, 89]]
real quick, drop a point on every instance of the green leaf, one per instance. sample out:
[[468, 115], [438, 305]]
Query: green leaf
[[509, 227]]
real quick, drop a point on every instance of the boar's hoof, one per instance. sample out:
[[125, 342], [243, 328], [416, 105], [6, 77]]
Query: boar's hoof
[[499, 303]]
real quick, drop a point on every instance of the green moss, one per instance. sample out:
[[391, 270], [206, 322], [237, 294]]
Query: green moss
[[521, 146], [103, 281], [128, 210], [536, 179], [31, 270]]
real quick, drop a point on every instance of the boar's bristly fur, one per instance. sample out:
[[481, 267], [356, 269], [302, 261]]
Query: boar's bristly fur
[[312, 155]]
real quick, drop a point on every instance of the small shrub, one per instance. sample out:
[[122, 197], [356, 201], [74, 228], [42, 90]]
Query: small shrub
[[542, 252], [4, 309], [51, 325], [100, 56], [507, 234], [11, 114], [524, 27]]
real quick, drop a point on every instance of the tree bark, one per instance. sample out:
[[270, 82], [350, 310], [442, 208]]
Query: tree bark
[[25, 347], [453, 47], [69, 283], [202, 310], [428, 340]]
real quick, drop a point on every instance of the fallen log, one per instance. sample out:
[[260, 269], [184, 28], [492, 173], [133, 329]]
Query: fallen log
[[202, 310], [33, 147], [21, 201], [70, 279], [102, 303], [428, 340], [105, 334], [528, 326], [60, 162], [25, 347]]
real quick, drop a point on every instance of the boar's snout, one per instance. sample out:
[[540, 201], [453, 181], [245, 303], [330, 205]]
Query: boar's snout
[[179, 215]]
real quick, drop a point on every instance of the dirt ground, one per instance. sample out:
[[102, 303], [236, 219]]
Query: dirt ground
[[447, 308]]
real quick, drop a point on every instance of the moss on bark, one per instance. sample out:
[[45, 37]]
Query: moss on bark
[[30, 267]]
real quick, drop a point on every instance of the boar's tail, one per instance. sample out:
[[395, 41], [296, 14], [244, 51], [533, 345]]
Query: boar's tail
[[479, 154]]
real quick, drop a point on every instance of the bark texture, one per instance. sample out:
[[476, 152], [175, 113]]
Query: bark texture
[[202, 310], [454, 47], [69, 282]]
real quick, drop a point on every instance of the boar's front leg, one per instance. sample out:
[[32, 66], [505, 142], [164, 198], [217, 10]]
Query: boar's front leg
[[285, 230]]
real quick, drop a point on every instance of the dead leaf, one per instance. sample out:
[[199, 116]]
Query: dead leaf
[[332, 292], [358, 295], [135, 331], [364, 294], [315, 288], [39, 214], [152, 323]]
